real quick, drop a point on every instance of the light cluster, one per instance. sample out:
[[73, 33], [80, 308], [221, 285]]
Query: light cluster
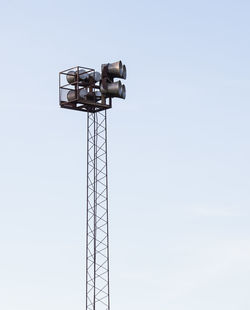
[[88, 90]]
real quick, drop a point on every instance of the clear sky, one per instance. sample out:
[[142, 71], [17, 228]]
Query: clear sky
[[178, 154]]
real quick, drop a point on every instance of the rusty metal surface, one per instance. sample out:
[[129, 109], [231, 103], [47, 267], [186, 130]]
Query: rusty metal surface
[[71, 80]]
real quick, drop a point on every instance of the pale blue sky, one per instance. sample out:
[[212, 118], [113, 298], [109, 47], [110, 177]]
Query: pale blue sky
[[178, 154]]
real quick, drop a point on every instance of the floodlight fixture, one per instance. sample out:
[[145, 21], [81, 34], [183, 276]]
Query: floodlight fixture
[[108, 86], [84, 89]]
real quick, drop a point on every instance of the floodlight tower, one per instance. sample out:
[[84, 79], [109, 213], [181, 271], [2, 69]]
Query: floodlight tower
[[84, 89]]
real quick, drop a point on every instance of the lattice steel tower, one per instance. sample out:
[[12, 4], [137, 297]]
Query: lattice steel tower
[[84, 89]]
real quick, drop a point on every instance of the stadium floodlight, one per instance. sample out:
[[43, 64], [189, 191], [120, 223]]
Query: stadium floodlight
[[84, 77], [108, 86], [84, 89]]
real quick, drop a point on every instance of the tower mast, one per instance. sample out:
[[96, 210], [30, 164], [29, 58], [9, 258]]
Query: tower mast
[[84, 89], [97, 242]]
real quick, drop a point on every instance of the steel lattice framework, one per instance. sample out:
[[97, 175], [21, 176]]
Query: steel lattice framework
[[97, 243], [84, 89]]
